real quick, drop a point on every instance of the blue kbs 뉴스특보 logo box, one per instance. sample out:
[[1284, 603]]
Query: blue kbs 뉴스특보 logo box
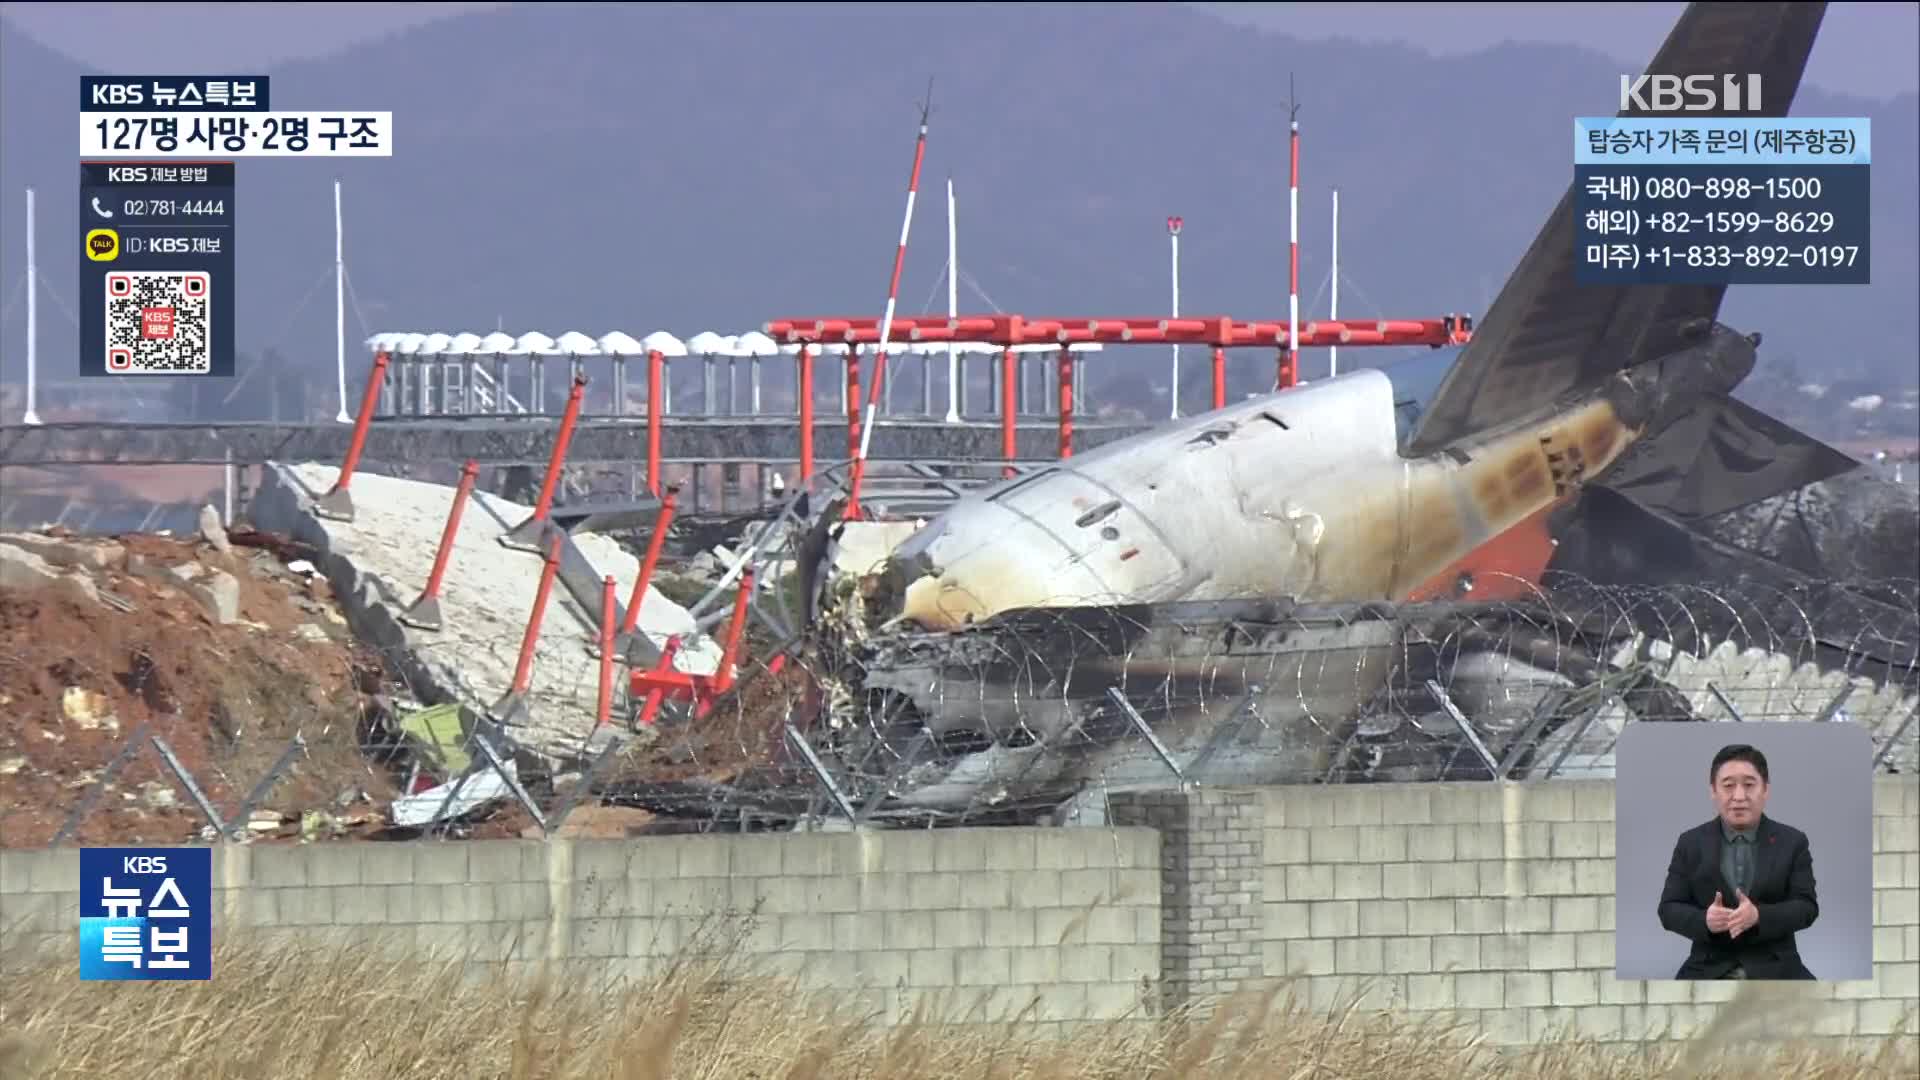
[[145, 913]]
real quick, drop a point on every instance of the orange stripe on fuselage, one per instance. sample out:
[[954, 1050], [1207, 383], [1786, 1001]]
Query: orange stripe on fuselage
[[1507, 567]]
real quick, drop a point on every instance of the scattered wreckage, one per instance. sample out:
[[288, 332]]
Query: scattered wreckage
[[1036, 714], [1478, 563], [1475, 563]]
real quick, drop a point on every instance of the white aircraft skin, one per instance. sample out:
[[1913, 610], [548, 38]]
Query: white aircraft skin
[[1299, 493], [1227, 504]]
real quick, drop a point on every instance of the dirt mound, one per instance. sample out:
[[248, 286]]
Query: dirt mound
[[224, 655], [224, 646]]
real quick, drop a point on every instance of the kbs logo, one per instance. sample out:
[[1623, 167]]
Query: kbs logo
[[146, 913], [105, 93], [1694, 93]]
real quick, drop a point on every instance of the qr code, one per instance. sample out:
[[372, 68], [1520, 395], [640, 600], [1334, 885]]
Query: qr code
[[159, 322]]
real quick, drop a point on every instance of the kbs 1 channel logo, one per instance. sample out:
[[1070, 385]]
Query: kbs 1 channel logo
[[1694, 93], [145, 913]]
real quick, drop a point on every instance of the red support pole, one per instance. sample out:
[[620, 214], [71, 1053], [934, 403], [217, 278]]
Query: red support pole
[[852, 512], [736, 629], [527, 535], [1066, 402], [425, 612], [1009, 405], [523, 671], [1206, 331], [806, 414], [647, 564], [468, 474], [1219, 377], [607, 600], [656, 692], [656, 414], [1402, 326], [337, 503], [554, 463]]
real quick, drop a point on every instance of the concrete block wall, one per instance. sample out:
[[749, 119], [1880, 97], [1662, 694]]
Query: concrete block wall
[[1495, 903], [1210, 918], [974, 921]]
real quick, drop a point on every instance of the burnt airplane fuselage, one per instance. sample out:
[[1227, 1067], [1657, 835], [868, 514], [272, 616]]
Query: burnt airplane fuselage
[[1221, 564], [1303, 494]]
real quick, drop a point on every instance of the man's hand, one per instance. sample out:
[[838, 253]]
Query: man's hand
[[1719, 915], [1743, 917]]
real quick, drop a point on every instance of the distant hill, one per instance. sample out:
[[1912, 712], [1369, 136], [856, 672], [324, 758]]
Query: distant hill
[[687, 167]]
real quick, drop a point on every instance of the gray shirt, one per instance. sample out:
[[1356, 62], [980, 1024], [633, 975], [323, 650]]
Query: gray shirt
[[1736, 859]]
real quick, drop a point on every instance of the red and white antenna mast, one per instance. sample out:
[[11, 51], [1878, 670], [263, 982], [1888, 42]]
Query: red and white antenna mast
[[1173, 237], [1333, 305], [33, 310], [1290, 362], [886, 322], [954, 380]]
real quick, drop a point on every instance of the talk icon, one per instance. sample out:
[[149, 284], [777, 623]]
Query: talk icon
[[103, 245]]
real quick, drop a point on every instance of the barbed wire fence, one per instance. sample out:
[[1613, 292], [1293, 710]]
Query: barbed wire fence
[[1052, 706], [1034, 717]]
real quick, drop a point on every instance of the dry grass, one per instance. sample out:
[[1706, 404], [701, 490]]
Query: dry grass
[[304, 1008]]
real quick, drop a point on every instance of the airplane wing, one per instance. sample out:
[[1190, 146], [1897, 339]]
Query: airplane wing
[[1546, 335]]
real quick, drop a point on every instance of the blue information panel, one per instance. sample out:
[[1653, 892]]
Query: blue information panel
[[146, 913], [1722, 201], [156, 279]]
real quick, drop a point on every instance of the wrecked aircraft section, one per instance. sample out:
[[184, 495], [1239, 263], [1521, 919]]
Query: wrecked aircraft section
[[1035, 715], [1471, 565]]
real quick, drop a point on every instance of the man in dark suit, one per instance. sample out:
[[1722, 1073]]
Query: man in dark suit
[[1740, 886]]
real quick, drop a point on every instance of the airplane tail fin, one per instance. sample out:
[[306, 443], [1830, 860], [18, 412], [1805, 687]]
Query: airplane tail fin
[[1546, 335], [1721, 455]]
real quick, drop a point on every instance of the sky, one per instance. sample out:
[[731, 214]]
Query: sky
[[1868, 49]]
